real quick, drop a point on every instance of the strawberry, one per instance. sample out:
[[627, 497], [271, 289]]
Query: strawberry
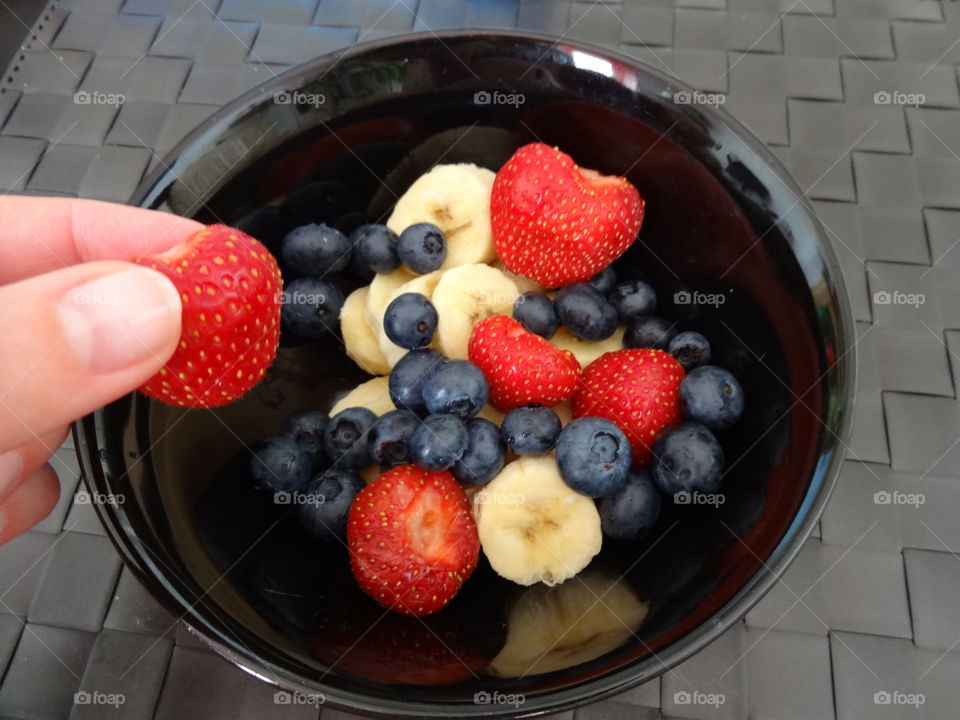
[[521, 367], [230, 289], [557, 223], [639, 390], [412, 539]]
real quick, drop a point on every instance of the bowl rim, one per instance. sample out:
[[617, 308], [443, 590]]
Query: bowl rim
[[822, 481]]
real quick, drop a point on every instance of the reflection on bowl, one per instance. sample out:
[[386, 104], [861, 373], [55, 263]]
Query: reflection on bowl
[[723, 221]]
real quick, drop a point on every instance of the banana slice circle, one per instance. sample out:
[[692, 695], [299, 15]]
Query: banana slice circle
[[372, 394], [464, 296], [362, 345], [532, 526], [455, 198]]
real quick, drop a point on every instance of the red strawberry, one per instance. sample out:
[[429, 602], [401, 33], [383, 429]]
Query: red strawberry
[[230, 288], [412, 539], [521, 367], [639, 390], [557, 223]]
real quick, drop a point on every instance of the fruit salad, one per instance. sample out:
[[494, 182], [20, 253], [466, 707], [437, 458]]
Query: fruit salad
[[525, 403]]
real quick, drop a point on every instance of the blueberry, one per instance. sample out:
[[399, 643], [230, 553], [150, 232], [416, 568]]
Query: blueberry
[[315, 250], [712, 396], [407, 378], [604, 281], [410, 320], [346, 438], [593, 456], [376, 247], [484, 456], [530, 430], [325, 501], [278, 463], [306, 427], [422, 248], [389, 439], [439, 442], [311, 308], [690, 349], [687, 458], [456, 387], [535, 312], [632, 299], [632, 511], [585, 312], [649, 332]]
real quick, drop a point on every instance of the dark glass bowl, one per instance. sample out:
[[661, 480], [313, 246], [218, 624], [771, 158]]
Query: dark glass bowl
[[337, 140]]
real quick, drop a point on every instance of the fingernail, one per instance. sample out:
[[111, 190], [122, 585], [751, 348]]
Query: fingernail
[[120, 319], [11, 463]]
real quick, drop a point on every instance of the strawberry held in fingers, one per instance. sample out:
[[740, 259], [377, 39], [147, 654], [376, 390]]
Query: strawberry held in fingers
[[557, 223], [229, 287], [638, 390], [521, 368], [412, 539]]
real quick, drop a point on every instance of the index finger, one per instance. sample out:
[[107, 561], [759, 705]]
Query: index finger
[[38, 235]]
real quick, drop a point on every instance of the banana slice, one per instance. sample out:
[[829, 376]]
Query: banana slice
[[370, 473], [455, 198], [362, 345], [564, 411], [523, 284], [584, 350], [490, 413], [532, 526], [423, 284], [380, 289], [372, 394], [463, 297], [556, 628]]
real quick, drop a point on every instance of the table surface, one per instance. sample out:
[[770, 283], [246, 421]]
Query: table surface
[[870, 604]]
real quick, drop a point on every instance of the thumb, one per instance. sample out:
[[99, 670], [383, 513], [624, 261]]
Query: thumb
[[79, 338]]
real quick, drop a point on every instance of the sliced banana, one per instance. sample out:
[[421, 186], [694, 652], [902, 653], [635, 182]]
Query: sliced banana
[[372, 394], [564, 411], [532, 526], [490, 413], [464, 296], [554, 628], [523, 284], [362, 345], [370, 473], [380, 289], [584, 350], [455, 198], [423, 284]]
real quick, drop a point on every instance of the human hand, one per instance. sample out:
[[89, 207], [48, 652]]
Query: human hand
[[79, 329]]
